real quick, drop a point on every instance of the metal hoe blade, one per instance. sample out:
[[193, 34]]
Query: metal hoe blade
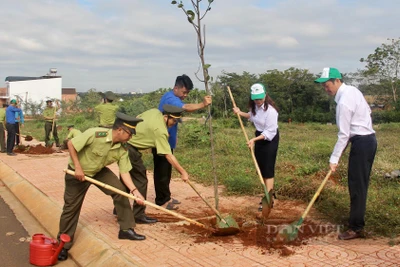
[[290, 232]]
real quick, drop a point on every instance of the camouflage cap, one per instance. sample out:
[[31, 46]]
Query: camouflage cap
[[110, 95]]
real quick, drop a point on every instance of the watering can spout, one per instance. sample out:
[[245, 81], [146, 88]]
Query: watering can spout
[[64, 238]]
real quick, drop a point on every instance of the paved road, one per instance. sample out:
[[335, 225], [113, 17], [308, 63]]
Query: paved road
[[13, 244], [16, 226]]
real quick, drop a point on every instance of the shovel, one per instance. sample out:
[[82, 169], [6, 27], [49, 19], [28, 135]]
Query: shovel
[[116, 190], [27, 137], [290, 232], [266, 200], [227, 225]]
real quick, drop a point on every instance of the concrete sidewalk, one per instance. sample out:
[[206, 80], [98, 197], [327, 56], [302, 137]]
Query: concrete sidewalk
[[37, 181]]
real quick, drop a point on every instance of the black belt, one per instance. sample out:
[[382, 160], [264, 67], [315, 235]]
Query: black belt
[[353, 138]]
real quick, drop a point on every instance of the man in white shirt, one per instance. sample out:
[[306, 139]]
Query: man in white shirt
[[353, 118]]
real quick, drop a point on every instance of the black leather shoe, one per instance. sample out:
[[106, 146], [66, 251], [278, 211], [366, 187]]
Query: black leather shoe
[[130, 234], [63, 254], [145, 220]]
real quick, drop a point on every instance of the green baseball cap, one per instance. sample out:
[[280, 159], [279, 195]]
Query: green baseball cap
[[257, 91], [327, 74], [13, 101]]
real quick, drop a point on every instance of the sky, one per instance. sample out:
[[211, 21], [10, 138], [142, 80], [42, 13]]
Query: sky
[[142, 45]]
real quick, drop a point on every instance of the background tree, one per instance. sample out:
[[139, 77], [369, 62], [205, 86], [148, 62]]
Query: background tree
[[383, 66]]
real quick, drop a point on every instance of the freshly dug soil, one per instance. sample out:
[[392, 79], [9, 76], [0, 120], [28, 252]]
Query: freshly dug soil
[[254, 230], [28, 138], [34, 150]]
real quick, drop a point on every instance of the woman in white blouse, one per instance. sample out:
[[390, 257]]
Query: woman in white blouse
[[263, 113]]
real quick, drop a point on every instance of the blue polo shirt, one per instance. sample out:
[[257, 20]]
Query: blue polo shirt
[[10, 114], [170, 99]]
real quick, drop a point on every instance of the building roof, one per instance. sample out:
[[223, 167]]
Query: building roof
[[24, 78], [68, 91]]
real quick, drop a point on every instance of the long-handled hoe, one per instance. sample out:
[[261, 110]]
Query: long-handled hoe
[[116, 190], [290, 232], [226, 225], [266, 200]]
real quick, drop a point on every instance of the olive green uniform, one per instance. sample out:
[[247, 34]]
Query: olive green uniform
[[95, 151], [106, 113], [2, 135], [71, 134], [151, 133], [48, 125]]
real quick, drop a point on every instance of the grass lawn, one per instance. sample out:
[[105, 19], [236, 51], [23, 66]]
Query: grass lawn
[[302, 163]]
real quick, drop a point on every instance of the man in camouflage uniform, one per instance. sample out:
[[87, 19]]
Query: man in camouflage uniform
[[90, 153], [152, 133], [72, 133], [2, 128], [49, 115], [107, 110]]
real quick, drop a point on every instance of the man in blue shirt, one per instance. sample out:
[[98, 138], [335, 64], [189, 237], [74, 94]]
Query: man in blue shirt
[[162, 168], [19, 122], [10, 126]]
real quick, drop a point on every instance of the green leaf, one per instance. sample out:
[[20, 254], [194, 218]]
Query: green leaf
[[191, 14], [180, 5], [173, 2], [210, 1], [206, 66]]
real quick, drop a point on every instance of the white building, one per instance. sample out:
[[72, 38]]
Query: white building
[[34, 90]]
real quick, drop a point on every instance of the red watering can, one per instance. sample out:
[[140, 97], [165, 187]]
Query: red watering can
[[44, 250]]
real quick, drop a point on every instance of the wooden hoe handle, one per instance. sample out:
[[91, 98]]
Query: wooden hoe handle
[[116, 190]]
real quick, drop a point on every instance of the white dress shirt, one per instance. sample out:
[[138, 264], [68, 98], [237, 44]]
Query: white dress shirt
[[265, 121], [353, 117]]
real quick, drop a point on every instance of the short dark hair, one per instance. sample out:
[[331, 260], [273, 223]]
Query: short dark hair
[[117, 124], [334, 79], [184, 81]]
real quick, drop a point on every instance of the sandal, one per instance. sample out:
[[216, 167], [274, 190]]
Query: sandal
[[171, 206], [272, 196]]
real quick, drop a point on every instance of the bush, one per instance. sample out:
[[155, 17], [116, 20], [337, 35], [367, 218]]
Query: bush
[[386, 116]]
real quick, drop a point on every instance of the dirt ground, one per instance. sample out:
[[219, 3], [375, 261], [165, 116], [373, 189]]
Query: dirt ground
[[264, 233], [38, 149], [255, 231]]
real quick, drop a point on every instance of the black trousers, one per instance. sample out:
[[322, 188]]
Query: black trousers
[[17, 134], [362, 155], [162, 178], [47, 129], [10, 137], [139, 179]]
